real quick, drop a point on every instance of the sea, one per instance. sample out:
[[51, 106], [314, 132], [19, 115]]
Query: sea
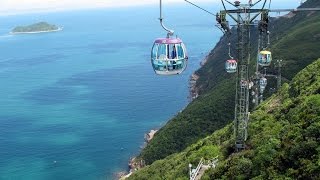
[[75, 104]]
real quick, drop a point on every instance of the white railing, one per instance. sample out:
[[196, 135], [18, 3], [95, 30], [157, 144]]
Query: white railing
[[194, 172]]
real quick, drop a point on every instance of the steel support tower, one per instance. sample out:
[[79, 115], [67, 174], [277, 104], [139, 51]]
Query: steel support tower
[[244, 16], [242, 93]]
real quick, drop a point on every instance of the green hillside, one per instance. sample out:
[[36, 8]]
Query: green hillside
[[295, 39], [299, 47], [284, 141]]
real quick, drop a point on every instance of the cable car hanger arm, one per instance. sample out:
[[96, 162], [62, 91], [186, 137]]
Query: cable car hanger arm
[[170, 32]]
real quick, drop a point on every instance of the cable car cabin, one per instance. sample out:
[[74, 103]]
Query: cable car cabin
[[169, 56], [263, 84], [231, 66], [237, 3], [265, 58]]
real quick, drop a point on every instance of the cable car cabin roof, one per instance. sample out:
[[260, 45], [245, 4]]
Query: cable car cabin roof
[[168, 41], [265, 52], [232, 61]]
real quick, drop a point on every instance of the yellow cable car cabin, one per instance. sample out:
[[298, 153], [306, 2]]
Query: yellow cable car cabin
[[265, 58]]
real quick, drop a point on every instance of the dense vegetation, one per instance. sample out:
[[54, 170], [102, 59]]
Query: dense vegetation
[[284, 141], [299, 47], [41, 26], [295, 39]]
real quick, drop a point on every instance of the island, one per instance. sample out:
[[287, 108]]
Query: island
[[41, 27]]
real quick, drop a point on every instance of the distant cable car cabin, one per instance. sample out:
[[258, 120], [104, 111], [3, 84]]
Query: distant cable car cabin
[[263, 84], [265, 58], [169, 56], [237, 3], [231, 66]]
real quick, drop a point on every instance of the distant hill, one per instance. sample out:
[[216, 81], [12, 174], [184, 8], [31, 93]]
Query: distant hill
[[36, 28]]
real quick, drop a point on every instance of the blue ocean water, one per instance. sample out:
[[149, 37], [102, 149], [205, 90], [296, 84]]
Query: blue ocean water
[[75, 104]]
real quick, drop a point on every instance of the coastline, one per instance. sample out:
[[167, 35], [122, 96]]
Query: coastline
[[37, 32], [193, 90], [135, 164]]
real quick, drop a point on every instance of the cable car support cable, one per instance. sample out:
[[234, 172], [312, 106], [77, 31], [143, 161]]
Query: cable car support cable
[[200, 7], [170, 32]]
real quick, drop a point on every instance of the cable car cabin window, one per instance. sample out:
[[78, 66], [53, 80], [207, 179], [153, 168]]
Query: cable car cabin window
[[162, 65], [172, 65], [180, 51], [169, 65], [180, 64], [172, 51], [269, 57], [162, 52], [154, 51], [155, 64]]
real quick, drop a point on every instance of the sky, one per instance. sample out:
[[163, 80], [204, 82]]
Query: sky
[[28, 6], [9, 7]]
